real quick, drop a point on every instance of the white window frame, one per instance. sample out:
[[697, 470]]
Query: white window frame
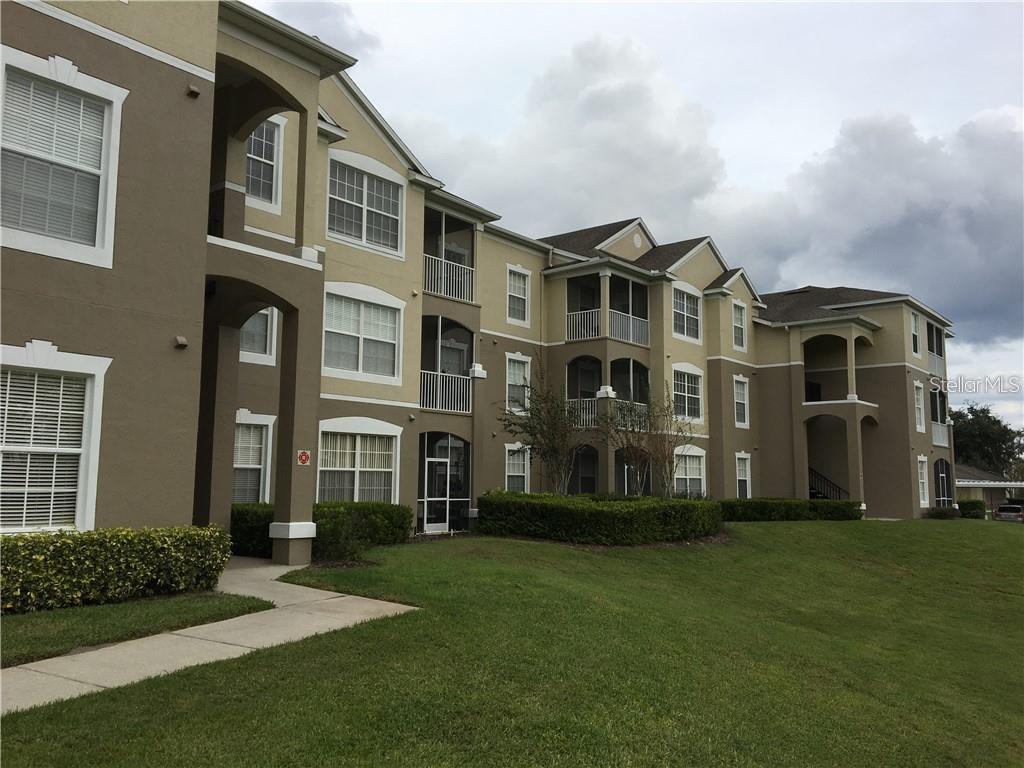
[[733, 326], [269, 357], [684, 287], [362, 425], [511, 448], [63, 72], [245, 416], [923, 491], [509, 356], [919, 407], [364, 293], [691, 450], [915, 334], [273, 206], [742, 456], [699, 372], [44, 357], [508, 294], [373, 167], [736, 379]]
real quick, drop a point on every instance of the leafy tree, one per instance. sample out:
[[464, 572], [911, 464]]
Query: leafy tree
[[984, 440]]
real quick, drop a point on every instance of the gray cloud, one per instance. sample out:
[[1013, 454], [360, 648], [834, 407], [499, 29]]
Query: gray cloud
[[333, 23]]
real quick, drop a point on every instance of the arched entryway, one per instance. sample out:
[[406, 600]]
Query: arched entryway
[[584, 470], [827, 462], [445, 475]]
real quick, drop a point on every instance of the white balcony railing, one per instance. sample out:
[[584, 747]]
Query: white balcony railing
[[629, 328], [446, 278], [583, 411], [936, 365], [446, 392], [582, 325], [940, 434]]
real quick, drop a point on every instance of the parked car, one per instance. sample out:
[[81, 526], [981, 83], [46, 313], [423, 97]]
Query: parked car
[[1013, 513]]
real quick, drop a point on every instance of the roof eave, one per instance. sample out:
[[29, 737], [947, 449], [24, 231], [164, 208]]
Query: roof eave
[[904, 299]]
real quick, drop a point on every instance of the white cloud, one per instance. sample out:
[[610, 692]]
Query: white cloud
[[984, 373]]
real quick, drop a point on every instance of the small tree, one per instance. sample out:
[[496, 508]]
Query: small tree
[[546, 424]]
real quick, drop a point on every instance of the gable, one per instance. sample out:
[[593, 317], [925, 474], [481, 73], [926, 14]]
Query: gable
[[630, 243], [699, 268]]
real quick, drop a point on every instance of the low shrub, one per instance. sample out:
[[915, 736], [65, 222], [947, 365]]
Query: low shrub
[[39, 571], [764, 510], [972, 508], [589, 520], [942, 513], [343, 529]]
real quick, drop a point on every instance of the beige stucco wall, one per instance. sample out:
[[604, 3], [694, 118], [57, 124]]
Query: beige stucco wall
[[494, 254], [625, 245]]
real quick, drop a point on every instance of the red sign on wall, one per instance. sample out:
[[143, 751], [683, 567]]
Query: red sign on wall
[[304, 457]]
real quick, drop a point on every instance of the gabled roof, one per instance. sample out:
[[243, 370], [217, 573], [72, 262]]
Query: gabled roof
[[583, 241], [662, 257], [723, 279], [810, 302], [972, 476]]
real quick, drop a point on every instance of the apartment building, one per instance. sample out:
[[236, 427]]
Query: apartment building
[[226, 278]]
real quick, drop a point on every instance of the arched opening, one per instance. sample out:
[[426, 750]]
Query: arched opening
[[825, 368], [943, 483], [584, 470], [446, 355], [445, 476], [582, 383], [827, 464], [632, 472], [631, 380]]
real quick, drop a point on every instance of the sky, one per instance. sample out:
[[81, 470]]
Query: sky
[[877, 145]]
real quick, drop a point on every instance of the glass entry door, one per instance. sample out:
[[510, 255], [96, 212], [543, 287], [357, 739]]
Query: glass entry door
[[444, 483], [437, 473]]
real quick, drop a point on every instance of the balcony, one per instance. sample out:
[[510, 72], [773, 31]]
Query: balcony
[[940, 434], [629, 415], [446, 392], [635, 330], [448, 279], [583, 325], [583, 411], [936, 365]]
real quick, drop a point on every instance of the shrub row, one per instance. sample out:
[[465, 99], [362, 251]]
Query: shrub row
[[343, 529], [40, 571], [972, 508], [762, 510], [585, 520], [942, 513]]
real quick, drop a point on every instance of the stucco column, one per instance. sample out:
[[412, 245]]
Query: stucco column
[[851, 366], [606, 302], [308, 214], [855, 458], [801, 479], [295, 481]]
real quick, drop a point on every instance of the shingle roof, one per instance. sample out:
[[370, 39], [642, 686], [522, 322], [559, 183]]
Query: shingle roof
[[583, 241], [723, 279], [807, 303], [661, 257], [965, 472]]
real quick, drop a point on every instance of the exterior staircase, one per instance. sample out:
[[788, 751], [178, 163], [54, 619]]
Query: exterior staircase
[[823, 488]]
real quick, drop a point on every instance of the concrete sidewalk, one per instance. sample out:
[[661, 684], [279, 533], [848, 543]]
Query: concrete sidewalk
[[300, 612]]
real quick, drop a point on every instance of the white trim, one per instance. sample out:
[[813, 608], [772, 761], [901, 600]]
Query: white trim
[[745, 424], [516, 448], [268, 233], [303, 530], [522, 339], [368, 400], [989, 483], [271, 206], [838, 402], [690, 450], [692, 369], [44, 356], [919, 423], [621, 232], [732, 324], [246, 248], [366, 294], [116, 37], [372, 167], [925, 500], [362, 425], [264, 358], [519, 269], [915, 333], [63, 72], [750, 475], [242, 35], [692, 290], [245, 416], [519, 357]]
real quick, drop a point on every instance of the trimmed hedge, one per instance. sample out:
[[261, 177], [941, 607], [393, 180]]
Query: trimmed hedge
[[942, 513], [40, 571], [764, 510], [973, 509], [584, 520], [343, 529]]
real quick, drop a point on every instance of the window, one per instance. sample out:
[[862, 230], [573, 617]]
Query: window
[[363, 207], [517, 382], [356, 467], [517, 468], [938, 403], [741, 387], [935, 339], [518, 310], [686, 394], [360, 336], [915, 333], [742, 475], [258, 338], [251, 451], [739, 326], [943, 484], [59, 159], [263, 164], [922, 481], [919, 406], [689, 473], [685, 314]]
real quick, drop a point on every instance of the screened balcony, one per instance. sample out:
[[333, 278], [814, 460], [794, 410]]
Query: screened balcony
[[631, 382], [448, 258], [583, 381], [627, 315], [446, 353], [583, 308]]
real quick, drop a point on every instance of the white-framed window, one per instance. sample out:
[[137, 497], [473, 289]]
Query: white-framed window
[[517, 468], [690, 472], [365, 203], [362, 333], [915, 334], [264, 161], [517, 308], [919, 420], [743, 485], [687, 392], [257, 341], [517, 381], [51, 405], [686, 312], [741, 400], [358, 460], [253, 443], [60, 146], [739, 326], [922, 481]]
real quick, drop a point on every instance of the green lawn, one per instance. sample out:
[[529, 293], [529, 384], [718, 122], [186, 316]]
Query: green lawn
[[793, 644], [30, 636]]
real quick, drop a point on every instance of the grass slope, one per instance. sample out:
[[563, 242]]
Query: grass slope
[[40, 635], [794, 644]]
